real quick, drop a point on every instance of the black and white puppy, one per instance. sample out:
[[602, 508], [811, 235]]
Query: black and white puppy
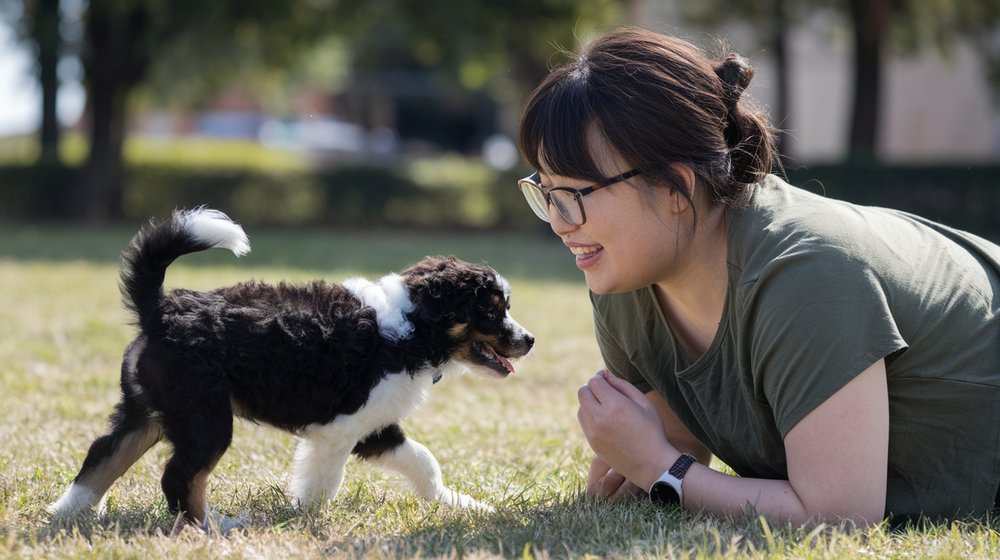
[[337, 365]]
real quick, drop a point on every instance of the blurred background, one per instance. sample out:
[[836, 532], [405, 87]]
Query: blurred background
[[401, 114]]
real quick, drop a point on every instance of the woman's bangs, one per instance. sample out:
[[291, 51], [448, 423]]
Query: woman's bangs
[[553, 135]]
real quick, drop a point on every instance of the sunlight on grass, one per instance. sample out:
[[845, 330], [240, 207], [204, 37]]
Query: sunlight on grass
[[186, 152], [513, 443]]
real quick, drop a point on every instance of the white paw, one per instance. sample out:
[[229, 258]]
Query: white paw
[[76, 500], [224, 524], [458, 499]]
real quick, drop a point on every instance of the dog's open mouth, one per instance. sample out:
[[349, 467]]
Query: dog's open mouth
[[487, 356]]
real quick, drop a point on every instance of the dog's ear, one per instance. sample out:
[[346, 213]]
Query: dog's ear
[[443, 289]]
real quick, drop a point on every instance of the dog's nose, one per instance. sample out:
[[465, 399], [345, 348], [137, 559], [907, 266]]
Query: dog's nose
[[529, 340]]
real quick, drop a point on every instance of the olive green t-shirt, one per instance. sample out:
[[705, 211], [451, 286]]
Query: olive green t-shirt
[[818, 291]]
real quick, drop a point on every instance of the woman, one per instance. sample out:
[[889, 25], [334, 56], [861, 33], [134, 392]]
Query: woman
[[844, 361]]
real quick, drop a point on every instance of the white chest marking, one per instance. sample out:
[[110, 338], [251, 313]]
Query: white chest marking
[[394, 398]]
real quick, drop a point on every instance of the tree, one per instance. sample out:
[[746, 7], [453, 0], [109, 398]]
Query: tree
[[477, 42], [870, 21], [39, 22], [910, 26], [907, 26], [45, 32], [124, 39], [502, 47]]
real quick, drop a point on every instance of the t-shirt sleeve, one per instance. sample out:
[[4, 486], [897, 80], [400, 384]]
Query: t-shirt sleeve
[[615, 357], [816, 321]]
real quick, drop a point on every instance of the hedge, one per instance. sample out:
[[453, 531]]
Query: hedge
[[459, 193], [962, 196], [351, 196]]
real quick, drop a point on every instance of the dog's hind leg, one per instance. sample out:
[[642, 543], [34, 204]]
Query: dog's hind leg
[[319, 468], [200, 432], [132, 433], [390, 448]]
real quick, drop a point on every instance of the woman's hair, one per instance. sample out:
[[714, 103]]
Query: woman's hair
[[658, 100]]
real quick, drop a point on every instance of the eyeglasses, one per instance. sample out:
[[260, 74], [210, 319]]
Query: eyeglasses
[[568, 201]]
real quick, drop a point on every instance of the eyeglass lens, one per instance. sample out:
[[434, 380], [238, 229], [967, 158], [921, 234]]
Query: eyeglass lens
[[536, 199], [568, 205]]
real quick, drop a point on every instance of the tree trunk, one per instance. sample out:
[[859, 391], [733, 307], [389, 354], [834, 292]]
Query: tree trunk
[[780, 45], [115, 62], [45, 33], [870, 20], [103, 175]]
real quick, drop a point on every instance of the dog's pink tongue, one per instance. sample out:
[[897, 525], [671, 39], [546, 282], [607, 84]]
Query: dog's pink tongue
[[506, 363]]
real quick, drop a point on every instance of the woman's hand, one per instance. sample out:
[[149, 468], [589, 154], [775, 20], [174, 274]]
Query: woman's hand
[[608, 483], [624, 429]]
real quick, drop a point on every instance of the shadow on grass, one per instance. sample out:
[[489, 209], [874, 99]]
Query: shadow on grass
[[561, 527], [571, 527], [371, 253]]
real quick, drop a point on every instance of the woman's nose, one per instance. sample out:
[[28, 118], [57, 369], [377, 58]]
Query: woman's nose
[[558, 224]]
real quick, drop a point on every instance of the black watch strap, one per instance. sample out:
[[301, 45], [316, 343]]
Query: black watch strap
[[681, 465], [667, 489]]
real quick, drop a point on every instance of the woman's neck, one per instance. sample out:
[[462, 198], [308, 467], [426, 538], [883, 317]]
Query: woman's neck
[[693, 300]]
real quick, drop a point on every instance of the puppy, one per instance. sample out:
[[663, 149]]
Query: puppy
[[337, 365]]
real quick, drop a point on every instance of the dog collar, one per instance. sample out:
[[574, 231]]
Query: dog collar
[[437, 377]]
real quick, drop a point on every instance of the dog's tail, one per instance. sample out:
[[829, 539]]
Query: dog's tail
[[145, 261]]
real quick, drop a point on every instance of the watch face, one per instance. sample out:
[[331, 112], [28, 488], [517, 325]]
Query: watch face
[[663, 493]]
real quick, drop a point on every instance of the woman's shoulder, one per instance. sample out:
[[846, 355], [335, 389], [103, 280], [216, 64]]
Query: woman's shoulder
[[778, 211], [782, 220]]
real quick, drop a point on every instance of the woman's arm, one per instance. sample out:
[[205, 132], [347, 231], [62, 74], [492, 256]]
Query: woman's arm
[[603, 480], [837, 455], [677, 433]]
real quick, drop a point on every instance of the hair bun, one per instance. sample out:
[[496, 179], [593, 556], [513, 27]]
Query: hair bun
[[735, 73], [747, 134]]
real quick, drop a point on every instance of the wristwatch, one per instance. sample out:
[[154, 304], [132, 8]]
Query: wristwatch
[[667, 489]]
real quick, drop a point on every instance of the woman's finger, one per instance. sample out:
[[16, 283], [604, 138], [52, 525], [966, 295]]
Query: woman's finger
[[625, 490], [623, 387]]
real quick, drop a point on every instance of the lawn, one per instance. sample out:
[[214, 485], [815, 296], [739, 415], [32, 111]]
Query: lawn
[[514, 443]]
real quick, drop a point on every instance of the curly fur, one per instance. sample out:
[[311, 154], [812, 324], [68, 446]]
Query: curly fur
[[337, 365]]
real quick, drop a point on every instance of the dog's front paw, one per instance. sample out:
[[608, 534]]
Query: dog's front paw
[[224, 524], [458, 499]]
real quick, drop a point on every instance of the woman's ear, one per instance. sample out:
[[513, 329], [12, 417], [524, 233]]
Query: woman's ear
[[681, 203]]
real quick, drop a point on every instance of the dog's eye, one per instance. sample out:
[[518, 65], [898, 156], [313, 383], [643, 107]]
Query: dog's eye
[[491, 315]]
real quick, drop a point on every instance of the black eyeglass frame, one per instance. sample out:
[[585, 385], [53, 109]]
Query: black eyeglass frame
[[534, 180]]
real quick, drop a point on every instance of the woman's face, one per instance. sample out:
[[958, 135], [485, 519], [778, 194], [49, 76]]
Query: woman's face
[[630, 238]]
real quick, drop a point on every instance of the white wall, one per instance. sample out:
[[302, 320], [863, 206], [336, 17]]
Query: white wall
[[934, 108]]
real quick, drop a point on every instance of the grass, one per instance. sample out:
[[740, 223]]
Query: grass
[[149, 150], [514, 443]]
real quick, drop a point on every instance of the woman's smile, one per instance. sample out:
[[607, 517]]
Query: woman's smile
[[586, 255]]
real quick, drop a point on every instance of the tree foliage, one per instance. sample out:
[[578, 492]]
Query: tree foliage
[[188, 49], [124, 40], [505, 47]]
